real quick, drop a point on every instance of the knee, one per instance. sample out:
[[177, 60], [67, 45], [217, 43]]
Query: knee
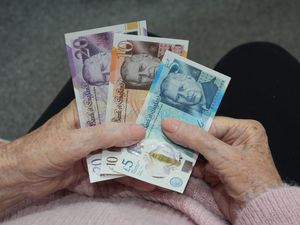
[[255, 53], [258, 50]]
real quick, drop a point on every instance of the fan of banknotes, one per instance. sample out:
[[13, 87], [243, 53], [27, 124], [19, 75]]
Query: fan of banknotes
[[120, 74]]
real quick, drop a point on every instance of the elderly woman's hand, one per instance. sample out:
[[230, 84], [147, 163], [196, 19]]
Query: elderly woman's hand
[[239, 164], [53, 156]]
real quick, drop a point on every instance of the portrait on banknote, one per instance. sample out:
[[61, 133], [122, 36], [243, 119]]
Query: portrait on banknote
[[186, 88], [96, 57], [139, 68], [96, 69]]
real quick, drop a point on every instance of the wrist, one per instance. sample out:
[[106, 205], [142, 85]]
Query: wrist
[[261, 186], [12, 183], [278, 205], [254, 193]]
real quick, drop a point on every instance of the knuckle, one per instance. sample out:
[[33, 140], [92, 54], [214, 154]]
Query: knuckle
[[213, 144], [33, 194], [256, 126], [70, 145], [108, 135], [66, 140], [187, 133]]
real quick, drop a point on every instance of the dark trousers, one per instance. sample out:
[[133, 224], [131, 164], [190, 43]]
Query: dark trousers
[[264, 87]]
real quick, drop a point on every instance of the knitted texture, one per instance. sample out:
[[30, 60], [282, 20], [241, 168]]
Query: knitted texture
[[113, 203], [278, 206]]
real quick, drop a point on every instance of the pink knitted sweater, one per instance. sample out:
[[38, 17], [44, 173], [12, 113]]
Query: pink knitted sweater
[[113, 203]]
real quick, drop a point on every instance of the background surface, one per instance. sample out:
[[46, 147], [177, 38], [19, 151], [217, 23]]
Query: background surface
[[33, 65]]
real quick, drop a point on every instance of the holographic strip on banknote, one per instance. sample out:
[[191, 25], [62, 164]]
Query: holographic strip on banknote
[[89, 56], [184, 90]]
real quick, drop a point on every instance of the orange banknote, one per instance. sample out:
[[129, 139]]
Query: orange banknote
[[135, 60]]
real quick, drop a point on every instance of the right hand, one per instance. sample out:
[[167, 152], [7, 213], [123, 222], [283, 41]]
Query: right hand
[[238, 163], [52, 157]]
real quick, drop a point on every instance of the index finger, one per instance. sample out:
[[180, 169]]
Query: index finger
[[193, 137], [222, 125]]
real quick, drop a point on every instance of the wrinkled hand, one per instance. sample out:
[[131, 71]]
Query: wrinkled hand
[[238, 164], [53, 156]]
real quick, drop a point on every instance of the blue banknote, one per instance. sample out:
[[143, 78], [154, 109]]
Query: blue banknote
[[184, 90]]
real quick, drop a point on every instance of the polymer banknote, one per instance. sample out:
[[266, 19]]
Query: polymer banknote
[[135, 60], [89, 56], [181, 89]]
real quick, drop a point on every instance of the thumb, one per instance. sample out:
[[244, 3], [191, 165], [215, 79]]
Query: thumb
[[197, 139], [105, 136]]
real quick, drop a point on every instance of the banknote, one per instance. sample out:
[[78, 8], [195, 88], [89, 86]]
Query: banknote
[[135, 60], [89, 56], [181, 89]]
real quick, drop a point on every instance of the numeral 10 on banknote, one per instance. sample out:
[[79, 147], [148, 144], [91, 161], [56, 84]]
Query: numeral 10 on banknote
[[124, 49]]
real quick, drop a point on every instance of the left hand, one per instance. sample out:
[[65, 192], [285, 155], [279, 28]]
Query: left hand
[[237, 161], [53, 157]]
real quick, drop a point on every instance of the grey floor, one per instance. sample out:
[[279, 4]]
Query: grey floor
[[33, 66]]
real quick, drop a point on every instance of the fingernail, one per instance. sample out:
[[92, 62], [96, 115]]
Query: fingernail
[[170, 125]]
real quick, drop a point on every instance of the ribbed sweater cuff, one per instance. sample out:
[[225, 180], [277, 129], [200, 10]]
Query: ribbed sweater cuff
[[276, 206]]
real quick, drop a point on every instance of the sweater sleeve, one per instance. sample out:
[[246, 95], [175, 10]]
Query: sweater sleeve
[[276, 206]]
